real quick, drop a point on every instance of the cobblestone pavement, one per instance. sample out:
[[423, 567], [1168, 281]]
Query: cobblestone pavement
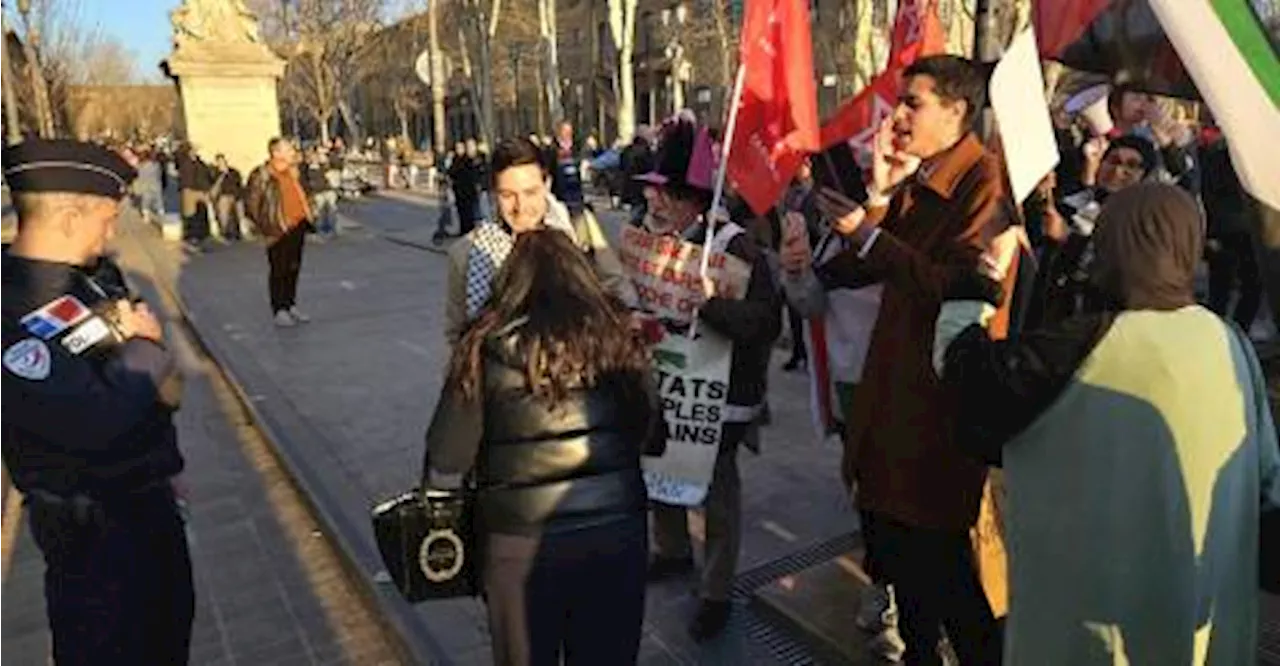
[[270, 589], [349, 395]]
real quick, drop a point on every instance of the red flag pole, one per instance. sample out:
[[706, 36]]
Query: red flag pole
[[717, 192]]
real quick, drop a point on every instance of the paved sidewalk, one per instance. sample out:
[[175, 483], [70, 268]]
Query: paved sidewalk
[[270, 588], [347, 399]]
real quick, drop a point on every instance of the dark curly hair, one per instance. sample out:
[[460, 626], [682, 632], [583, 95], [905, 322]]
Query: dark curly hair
[[574, 333]]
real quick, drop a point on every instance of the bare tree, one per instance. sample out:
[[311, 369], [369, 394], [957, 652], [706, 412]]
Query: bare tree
[[622, 27], [106, 62], [57, 42], [551, 63], [321, 41], [437, 76], [106, 95]]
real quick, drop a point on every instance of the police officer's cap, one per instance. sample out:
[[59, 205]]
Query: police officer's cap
[[63, 165]]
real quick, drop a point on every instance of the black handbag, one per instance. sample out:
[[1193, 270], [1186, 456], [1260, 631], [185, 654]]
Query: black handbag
[[428, 543]]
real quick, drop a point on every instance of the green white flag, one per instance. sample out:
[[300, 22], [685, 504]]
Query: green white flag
[[1226, 50]]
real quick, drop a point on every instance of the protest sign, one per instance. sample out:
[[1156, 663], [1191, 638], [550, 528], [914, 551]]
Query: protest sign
[[664, 271], [693, 385]]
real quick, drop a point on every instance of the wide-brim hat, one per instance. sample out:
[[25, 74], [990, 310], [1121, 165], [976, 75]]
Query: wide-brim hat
[[686, 155]]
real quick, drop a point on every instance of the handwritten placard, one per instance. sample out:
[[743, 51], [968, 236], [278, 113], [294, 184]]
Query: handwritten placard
[[664, 270]]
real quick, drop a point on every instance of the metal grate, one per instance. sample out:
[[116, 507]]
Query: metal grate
[[781, 645]]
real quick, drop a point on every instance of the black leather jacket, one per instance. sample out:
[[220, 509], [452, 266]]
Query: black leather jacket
[[538, 469]]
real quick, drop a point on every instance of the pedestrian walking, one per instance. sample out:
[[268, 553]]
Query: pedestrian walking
[[323, 197], [150, 187], [226, 193], [278, 206], [89, 439], [193, 186]]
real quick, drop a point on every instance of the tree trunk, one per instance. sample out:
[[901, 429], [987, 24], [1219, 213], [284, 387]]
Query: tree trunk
[[437, 79], [543, 102], [551, 77], [403, 114], [725, 35], [39, 85], [349, 119], [324, 127], [622, 25], [486, 67]]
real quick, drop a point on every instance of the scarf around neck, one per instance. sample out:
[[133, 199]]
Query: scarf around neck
[[491, 244]]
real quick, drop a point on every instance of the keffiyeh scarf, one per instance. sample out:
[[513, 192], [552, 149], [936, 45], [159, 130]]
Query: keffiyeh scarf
[[491, 244]]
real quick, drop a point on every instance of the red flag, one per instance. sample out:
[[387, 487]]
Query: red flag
[[916, 32], [777, 122], [1061, 22]]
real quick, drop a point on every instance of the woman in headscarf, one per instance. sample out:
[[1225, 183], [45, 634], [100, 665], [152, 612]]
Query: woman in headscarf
[[1138, 448], [1061, 285]]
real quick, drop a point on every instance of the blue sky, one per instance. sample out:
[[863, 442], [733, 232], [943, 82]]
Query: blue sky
[[141, 25]]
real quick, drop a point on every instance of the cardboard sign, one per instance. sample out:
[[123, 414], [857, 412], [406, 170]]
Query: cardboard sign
[[664, 271], [693, 385]]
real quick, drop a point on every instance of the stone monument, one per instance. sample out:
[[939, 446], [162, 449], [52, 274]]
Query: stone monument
[[226, 78]]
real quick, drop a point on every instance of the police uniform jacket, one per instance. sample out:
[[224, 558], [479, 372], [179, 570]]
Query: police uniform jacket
[[82, 412]]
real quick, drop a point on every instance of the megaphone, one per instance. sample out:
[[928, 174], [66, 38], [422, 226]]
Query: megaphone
[[1091, 104]]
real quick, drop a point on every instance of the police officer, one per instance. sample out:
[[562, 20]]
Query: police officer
[[88, 433]]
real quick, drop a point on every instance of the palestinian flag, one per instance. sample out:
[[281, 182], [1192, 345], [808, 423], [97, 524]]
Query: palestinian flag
[[1228, 52]]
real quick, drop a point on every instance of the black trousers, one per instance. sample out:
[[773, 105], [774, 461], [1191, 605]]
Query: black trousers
[[285, 258], [468, 205], [935, 582], [796, 322], [578, 594], [1235, 265], [119, 592]]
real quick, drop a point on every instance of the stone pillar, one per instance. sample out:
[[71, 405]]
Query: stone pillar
[[229, 108], [227, 80]]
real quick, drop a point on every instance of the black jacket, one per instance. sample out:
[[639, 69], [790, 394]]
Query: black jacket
[[83, 413], [542, 470], [229, 183], [313, 179], [752, 323], [193, 174]]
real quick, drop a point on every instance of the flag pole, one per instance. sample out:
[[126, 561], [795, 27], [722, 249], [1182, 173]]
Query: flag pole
[[717, 192]]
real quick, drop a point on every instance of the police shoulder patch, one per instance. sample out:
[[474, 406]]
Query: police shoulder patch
[[28, 359]]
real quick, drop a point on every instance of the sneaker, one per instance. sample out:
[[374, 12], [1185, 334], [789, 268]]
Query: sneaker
[[284, 320], [711, 619], [298, 316], [662, 568]]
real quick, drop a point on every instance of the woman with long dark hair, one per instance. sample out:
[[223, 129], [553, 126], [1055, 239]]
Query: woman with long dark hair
[[548, 405]]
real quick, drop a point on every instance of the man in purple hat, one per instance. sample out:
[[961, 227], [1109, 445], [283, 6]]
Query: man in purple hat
[[679, 197]]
